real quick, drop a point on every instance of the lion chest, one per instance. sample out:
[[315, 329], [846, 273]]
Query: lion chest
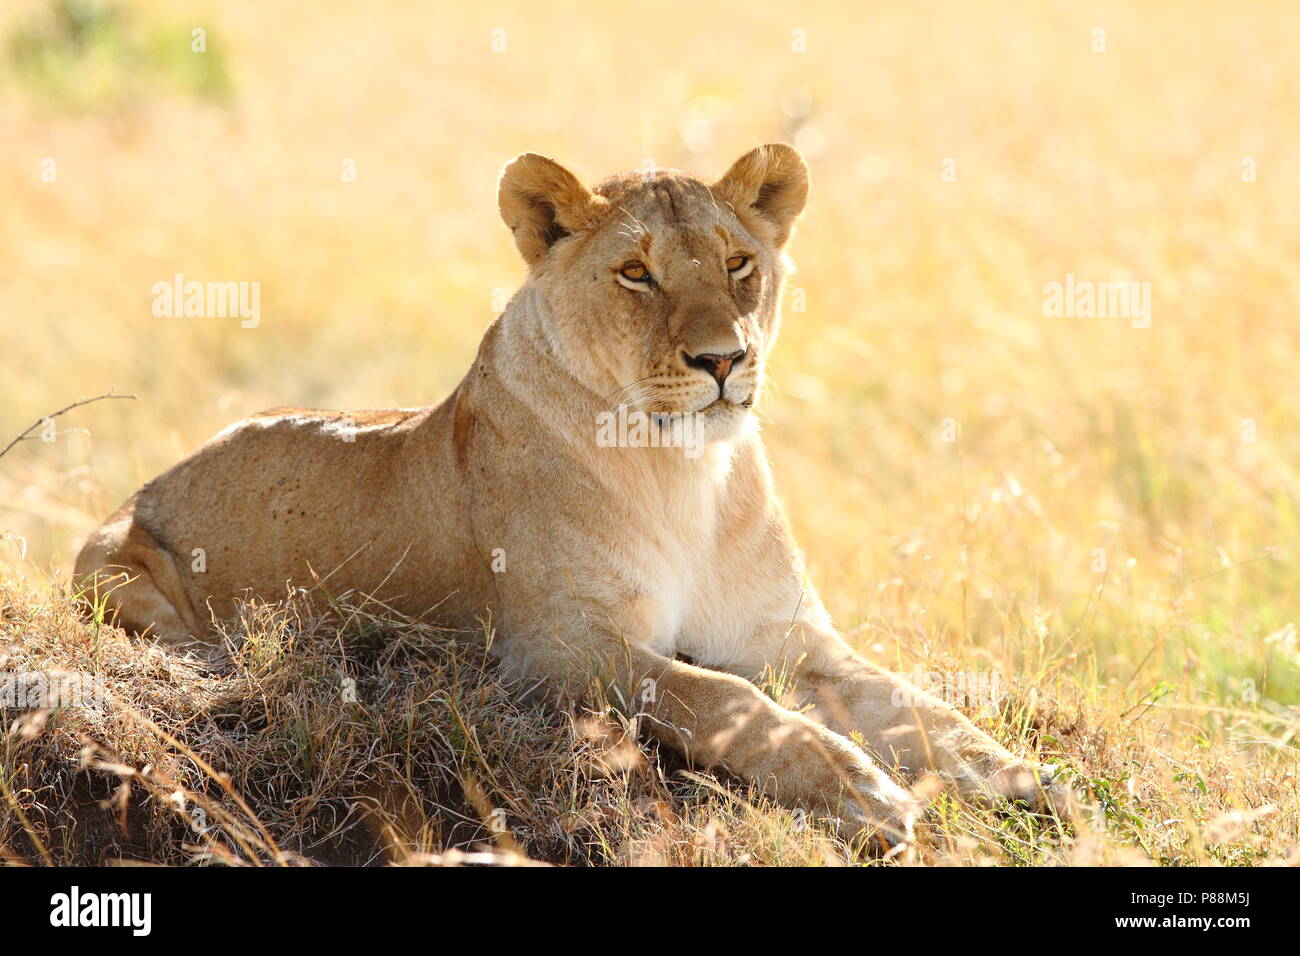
[[676, 575]]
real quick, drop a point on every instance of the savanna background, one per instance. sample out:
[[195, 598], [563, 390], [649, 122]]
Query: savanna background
[[1115, 534]]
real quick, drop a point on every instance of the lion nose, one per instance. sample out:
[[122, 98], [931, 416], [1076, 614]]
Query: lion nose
[[719, 366]]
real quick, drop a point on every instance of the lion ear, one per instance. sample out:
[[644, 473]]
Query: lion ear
[[771, 181], [542, 202]]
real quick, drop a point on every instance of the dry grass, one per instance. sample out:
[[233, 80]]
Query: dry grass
[[1168, 683], [304, 741]]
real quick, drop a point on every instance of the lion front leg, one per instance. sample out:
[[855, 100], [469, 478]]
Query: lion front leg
[[916, 731], [907, 728], [716, 719]]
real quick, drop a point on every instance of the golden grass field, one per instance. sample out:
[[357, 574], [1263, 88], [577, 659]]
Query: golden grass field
[[1116, 533]]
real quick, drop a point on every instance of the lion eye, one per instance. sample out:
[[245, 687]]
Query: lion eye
[[634, 275], [635, 272], [740, 266]]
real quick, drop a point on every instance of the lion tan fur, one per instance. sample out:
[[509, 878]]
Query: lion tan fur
[[672, 577]]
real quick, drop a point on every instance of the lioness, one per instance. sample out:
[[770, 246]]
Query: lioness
[[629, 562]]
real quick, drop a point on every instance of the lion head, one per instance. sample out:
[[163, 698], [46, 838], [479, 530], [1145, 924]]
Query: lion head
[[661, 290]]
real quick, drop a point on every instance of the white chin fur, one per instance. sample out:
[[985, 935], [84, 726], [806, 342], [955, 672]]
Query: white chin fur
[[726, 422]]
